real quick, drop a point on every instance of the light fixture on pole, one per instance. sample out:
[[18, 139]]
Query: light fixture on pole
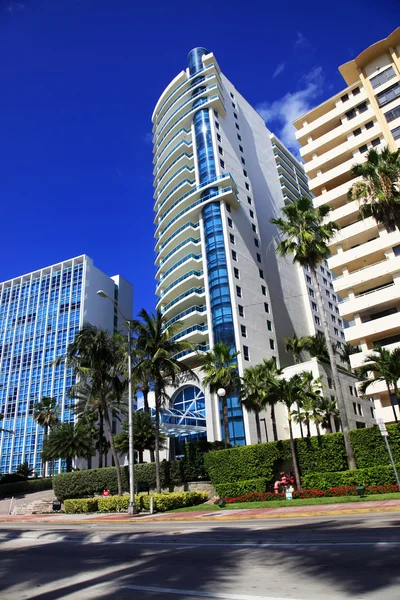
[[128, 322], [221, 392]]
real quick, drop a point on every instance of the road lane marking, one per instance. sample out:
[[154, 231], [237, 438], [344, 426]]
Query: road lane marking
[[197, 594]]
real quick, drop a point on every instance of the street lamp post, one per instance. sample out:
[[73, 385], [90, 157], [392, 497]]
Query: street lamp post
[[128, 322], [221, 393], [265, 425]]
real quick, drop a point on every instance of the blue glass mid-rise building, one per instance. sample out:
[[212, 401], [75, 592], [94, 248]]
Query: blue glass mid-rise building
[[40, 314], [219, 177]]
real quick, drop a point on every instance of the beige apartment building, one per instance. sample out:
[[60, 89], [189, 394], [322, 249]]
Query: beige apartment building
[[365, 259]]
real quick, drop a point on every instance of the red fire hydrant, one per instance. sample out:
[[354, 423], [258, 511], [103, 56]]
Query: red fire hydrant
[[106, 492]]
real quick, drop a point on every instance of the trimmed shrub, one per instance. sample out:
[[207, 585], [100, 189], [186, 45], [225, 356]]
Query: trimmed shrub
[[12, 478], [370, 448], [25, 487], [164, 502], [228, 490], [321, 454], [171, 473], [373, 476], [243, 463], [88, 482], [81, 505]]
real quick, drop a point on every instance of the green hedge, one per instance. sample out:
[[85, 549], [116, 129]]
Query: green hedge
[[171, 473], [88, 482], [370, 448], [243, 463], [81, 505], [231, 490], [25, 487], [264, 461], [162, 502], [373, 476]]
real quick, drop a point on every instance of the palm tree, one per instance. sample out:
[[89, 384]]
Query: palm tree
[[67, 440], [385, 366], [144, 434], [345, 350], [305, 235], [271, 373], [379, 187], [220, 368], [157, 350], [329, 412], [24, 470], [98, 360], [253, 393], [45, 413], [296, 345], [309, 402], [316, 346], [287, 392]]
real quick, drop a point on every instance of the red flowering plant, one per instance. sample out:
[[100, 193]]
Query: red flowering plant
[[333, 492]]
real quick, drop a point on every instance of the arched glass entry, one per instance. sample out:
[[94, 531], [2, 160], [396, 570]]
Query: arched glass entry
[[189, 399]]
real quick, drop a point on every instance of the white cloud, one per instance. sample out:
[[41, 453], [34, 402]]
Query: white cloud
[[301, 42], [148, 138], [279, 69], [280, 114]]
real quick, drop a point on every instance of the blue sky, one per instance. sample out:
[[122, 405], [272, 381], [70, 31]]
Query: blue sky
[[79, 81]]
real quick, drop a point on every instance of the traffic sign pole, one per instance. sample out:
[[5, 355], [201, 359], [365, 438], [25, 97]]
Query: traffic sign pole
[[385, 434]]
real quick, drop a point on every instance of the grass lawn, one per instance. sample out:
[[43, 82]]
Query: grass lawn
[[289, 503]]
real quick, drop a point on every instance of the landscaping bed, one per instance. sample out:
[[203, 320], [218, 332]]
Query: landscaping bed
[[113, 504]]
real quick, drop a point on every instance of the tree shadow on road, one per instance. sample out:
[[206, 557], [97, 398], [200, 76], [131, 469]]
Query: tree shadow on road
[[205, 560]]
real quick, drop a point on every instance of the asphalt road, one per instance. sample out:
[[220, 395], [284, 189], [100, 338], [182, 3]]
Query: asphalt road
[[353, 556]]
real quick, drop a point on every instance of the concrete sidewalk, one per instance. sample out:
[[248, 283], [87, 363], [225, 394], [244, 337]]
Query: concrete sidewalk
[[285, 512]]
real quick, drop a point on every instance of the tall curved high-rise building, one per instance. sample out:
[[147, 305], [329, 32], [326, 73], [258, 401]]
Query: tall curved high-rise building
[[219, 177]]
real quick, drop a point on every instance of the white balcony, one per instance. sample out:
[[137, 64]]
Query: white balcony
[[331, 174], [359, 358], [191, 279], [359, 232], [195, 315], [182, 142], [190, 261], [190, 245], [175, 239], [343, 215], [354, 257], [349, 146], [183, 302], [369, 274], [190, 207], [183, 185], [368, 300], [376, 329], [184, 159], [333, 196]]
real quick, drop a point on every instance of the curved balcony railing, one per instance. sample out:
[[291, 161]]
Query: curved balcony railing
[[184, 168], [177, 232], [178, 133], [182, 118], [193, 290], [196, 189], [181, 334], [168, 196], [188, 311], [180, 262], [189, 89], [192, 206], [187, 275], [188, 80], [189, 101], [178, 247], [181, 143], [198, 348], [172, 164]]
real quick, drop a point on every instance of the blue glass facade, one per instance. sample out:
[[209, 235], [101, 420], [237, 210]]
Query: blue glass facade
[[39, 317], [189, 398], [220, 300]]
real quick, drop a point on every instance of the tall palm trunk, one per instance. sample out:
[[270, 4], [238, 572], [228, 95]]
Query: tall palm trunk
[[225, 421], [308, 427], [273, 419], [335, 374], [140, 456], [258, 427], [391, 401], [157, 393], [333, 424], [294, 457], [101, 436], [69, 464], [45, 434], [300, 422], [145, 392], [317, 426], [113, 451]]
